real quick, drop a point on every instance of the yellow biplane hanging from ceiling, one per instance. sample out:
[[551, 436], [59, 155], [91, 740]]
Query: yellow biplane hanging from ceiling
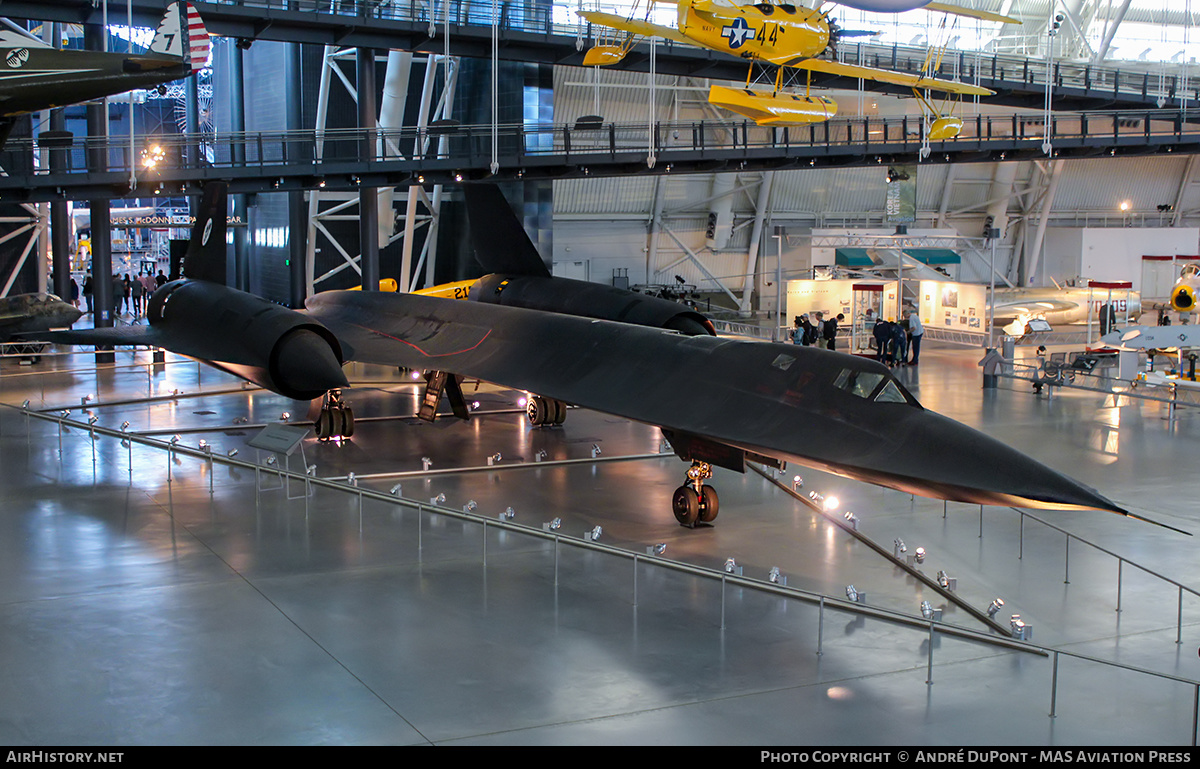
[[788, 36]]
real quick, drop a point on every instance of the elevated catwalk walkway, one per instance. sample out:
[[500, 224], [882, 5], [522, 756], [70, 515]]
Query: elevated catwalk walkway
[[550, 34], [334, 159]]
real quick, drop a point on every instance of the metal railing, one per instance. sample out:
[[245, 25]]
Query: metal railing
[[174, 449], [470, 146], [1168, 82]]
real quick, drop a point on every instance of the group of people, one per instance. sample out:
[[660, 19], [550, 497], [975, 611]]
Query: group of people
[[128, 293], [817, 330], [893, 341]]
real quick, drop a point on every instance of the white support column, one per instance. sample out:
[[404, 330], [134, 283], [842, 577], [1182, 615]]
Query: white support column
[[1047, 206], [760, 214]]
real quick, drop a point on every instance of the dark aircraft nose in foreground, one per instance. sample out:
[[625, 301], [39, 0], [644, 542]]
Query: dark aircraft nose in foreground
[[969, 466]]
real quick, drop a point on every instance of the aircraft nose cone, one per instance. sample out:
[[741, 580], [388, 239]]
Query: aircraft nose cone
[[1183, 299], [974, 467], [305, 366]]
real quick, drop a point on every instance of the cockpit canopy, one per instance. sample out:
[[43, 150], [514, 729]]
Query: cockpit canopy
[[1190, 271], [877, 386]]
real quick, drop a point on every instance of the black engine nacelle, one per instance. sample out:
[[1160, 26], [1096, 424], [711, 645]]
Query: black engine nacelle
[[282, 350], [590, 300]]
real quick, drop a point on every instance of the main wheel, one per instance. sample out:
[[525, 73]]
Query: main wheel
[[709, 504], [347, 422], [536, 409], [322, 426], [686, 505], [560, 412]]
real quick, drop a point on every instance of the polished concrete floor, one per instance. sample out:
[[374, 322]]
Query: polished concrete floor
[[151, 598]]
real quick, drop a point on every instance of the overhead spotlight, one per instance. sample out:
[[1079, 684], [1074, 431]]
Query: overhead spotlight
[[124, 426], [943, 579], [285, 416], [816, 496], [508, 514], [852, 593], [851, 519], [1020, 629], [595, 450], [321, 184], [996, 605], [553, 525], [898, 547], [458, 177], [351, 479], [919, 555], [65, 413], [439, 499], [595, 533], [93, 419], [231, 453], [426, 462], [311, 470], [730, 566], [25, 405], [830, 504], [420, 178], [271, 460], [928, 612], [395, 490], [773, 576], [797, 483], [277, 183], [657, 549], [493, 459], [470, 506], [174, 439], [355, 181]]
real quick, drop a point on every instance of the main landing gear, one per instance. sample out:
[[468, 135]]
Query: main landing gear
[[335, 418], [545, 411], [693, 501]]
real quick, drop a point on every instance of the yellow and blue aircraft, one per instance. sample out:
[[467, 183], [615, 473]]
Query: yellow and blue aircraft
[[784, 35]]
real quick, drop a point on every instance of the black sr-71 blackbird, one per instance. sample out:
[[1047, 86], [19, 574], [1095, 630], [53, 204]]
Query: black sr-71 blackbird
[[719, 401]]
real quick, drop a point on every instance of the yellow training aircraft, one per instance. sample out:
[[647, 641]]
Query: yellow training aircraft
[[785, 35]]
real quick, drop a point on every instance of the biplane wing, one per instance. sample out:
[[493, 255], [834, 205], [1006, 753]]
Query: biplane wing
[[958, 10], [637, 27], [889, 76]]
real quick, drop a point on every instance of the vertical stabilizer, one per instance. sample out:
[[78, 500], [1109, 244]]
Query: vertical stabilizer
[[206, 253], [501, 244], [181, 34]]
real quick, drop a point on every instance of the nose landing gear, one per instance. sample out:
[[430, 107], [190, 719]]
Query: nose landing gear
[[693, 501]]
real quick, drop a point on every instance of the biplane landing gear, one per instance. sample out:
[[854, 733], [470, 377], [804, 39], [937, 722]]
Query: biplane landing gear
[[335, 418], [693, 501], [545, 411]]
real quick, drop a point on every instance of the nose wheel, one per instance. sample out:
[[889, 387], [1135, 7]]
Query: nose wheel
[[693, 501]]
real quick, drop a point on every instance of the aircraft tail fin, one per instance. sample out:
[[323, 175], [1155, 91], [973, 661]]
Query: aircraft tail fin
[[206, 252], [500, 241], [181, 34]]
